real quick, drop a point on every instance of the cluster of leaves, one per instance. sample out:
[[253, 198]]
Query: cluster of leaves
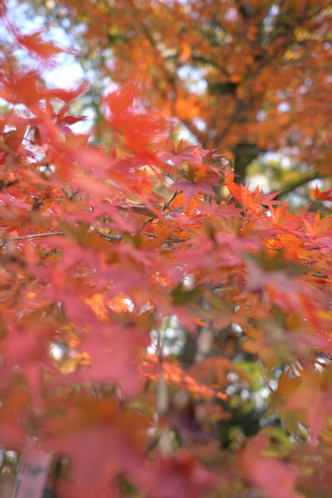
[[99, 248]]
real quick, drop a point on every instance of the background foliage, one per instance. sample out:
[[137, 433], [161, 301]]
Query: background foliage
[[243, 77]]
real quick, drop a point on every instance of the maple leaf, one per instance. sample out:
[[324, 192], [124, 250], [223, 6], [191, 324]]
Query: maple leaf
[[322, 196], [137, 127], [13, 416], [34, 42], [26, 346], [191, 189], [114, 359], [272, 476], [251, 200], [312, 400], [113, 440], [180, 476], [66, 94], [22, 87]]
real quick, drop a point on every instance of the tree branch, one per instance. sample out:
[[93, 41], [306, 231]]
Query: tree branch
[[107, 236], [293, 186]]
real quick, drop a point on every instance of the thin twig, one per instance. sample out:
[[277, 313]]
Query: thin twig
[[177, 192], [101, 234], [35, 235], [178, 239], [109, 236], [154, 235]]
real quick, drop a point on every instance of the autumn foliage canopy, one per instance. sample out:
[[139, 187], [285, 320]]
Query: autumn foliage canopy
[[103, 250]]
